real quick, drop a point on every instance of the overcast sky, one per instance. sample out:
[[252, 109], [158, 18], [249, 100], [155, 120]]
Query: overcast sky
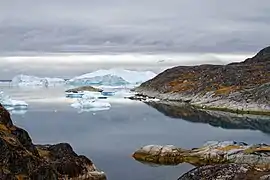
[[30, 27]]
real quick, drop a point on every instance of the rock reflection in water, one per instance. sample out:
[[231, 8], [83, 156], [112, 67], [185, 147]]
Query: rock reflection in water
[[214, 118]]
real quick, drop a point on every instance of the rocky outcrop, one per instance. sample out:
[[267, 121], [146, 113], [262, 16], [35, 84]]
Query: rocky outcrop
[[225, 120], [226, 160], [238, 87], [84, 88], [21, 159], [225, 172]]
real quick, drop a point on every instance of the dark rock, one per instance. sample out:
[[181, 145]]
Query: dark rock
[[239, 87], [84, 88], [224, 172], [21, 159]]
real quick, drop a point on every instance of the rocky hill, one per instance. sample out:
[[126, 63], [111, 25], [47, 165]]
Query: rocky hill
[[238, 87], [21, 159]]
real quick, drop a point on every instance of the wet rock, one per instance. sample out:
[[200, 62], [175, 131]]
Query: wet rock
[[21, 159]]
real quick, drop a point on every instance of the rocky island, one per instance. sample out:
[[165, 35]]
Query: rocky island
[[84, 88], [21, 159], [242, 87], [227, 160]]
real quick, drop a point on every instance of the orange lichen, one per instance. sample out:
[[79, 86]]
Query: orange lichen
[[229, 147], [21, 177], [43, 153], [3, 127], [225, 90]]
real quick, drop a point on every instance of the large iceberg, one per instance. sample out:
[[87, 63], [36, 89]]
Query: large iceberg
[[113, 77], [26, 80], [107, 80], [11, 104]]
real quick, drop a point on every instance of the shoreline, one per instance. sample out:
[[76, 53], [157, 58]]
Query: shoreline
[[208, 103]]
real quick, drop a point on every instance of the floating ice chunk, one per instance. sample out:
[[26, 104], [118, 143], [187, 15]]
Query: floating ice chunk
[[18, 111], [26, 80], [11, 104], [108, 93], [74, 95], [90, 103]]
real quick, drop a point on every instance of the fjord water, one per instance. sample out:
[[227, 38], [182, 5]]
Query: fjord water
[[110, 137]]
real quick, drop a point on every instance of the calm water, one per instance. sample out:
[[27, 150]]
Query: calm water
[[110, 137]]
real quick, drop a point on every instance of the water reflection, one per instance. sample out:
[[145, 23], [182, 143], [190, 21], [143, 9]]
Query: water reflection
[[93, 109], [18, 111], [214, 118]]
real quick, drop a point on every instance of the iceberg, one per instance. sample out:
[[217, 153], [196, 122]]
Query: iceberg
[[113, 77], [11, 104], [107, 80], [90, 103], [26, 80]]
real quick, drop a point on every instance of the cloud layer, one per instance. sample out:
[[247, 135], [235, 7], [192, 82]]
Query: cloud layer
[[117, 26]]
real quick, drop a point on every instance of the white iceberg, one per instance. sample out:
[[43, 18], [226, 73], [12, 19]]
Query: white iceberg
[[11, 104], [113, 77], [90, 100], [90, 103], [107, 80], [26, 80]]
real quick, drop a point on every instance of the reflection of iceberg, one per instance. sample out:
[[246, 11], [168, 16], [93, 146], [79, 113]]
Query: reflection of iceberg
[[25, 80], [93, 109], [113, 77], [18, 111], [11, 104]]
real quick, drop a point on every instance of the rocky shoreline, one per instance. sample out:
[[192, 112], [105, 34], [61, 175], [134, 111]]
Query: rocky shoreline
[[215, 160], [21, 159], [237, 87]]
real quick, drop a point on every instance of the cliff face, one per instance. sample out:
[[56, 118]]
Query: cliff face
[[241, 86], [21, 159]]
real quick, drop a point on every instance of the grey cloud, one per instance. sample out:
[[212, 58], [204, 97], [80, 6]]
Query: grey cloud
[[113, 26]]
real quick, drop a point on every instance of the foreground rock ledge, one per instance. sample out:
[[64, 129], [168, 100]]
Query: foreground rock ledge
[[21, 159], [255, 158]]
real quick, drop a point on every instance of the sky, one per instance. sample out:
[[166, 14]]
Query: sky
[[119, 29]]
